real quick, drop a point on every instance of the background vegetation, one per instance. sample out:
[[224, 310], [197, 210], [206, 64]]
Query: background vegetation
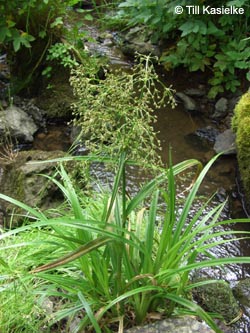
[[217, 43], [33, 31]]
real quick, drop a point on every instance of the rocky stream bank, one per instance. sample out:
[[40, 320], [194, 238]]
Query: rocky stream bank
[[25, 121]]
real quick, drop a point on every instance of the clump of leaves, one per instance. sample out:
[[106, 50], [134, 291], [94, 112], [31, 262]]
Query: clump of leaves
[[112, 263], [116, 114]]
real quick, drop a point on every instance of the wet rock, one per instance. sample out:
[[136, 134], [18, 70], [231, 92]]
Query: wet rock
[[185, 324], [225, 142], [218, 297], [203, 138], [242, 292], [195, 92], [4, 68], [221, 195], [17, 123], [189, 103], [138, 40], [143, 48], [54, 137], [22, 180], [221, 108], [207, 133], [29, 106]]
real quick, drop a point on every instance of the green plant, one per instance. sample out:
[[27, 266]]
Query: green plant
[[61, 53], [115, 265], [70, 51], [197, 42], [115, 111], [17, 315], [27, 29], [7, 147]]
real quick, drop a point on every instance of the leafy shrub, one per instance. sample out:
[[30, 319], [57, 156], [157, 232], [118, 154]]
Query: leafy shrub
[[241, 125], [216, 42], [29, 25], [111, 261], [27, 29]]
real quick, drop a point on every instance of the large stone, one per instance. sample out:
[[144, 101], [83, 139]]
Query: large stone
[[17, 124], [221, 108], [218, 297], [225, 142], [138, 39], [203, 138], [195, 92], [29, 106], [21, 179], [189, 103], [183, 324], [242, 292]]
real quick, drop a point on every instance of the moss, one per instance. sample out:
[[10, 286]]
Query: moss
[[241, 111], [21, 180], [242, 291], [241, 125], [218, 297]]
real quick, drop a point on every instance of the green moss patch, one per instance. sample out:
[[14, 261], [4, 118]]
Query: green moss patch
[[241, 125]]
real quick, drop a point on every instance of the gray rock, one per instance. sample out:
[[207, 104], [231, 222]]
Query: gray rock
[[221, 108], [183, 324], [189, 102], [141, 47], [136, 35], [17, 123], [21, 179], [242, 292], [202, 139], [29, 106], [137, 39], [195, 92], [225, 142]]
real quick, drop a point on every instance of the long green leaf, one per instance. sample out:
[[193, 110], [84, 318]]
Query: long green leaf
[[196, 309], [151, 185], [89, 312], [150, 233], [118, 177], [204, 264], [145, 289], [34, 212], [81, 251], [71, 194], [191, 197]]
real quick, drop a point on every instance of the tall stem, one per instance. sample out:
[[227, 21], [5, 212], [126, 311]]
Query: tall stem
[[124, 202]]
